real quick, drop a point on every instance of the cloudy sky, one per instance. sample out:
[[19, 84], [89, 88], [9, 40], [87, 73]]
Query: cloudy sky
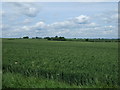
[[68, 19]]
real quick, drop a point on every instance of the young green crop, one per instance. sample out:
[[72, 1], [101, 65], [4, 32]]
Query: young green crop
[[74, 63]]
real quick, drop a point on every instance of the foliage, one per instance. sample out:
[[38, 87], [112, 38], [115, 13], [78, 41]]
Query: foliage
[[56, 38], [26, 37]]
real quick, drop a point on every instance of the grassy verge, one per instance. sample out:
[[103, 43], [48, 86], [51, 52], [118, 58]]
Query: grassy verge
[[16, 80]]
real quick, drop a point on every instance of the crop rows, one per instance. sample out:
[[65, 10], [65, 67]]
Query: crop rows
[[75, 63]]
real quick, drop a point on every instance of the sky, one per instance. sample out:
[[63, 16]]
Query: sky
[[68, 19], [60, 0]]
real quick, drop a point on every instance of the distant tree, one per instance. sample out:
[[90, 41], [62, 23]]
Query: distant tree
[[38, 37], [56, 36], [86, 39], [48, 38], [61, 39], [26, 37], [33, 37]]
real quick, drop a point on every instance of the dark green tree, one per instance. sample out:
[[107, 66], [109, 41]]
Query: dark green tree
[[26, 37]]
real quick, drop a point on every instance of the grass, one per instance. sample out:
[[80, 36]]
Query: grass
[[71, 64], [16, 80]]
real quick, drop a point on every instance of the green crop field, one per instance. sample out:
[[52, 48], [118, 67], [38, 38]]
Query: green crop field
[[35, 63]]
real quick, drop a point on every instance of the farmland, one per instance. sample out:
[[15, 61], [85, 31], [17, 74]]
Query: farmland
[[34, 63]]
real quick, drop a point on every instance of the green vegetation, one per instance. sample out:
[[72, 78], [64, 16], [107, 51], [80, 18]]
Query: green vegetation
[[56, 38], [15, 80], [40, 63]]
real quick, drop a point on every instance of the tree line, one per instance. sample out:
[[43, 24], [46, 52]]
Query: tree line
[[56, 38]]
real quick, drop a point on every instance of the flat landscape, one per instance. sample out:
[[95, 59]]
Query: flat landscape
[[39, 63]]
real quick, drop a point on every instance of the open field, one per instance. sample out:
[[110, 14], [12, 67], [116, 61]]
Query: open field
[[34, 63]]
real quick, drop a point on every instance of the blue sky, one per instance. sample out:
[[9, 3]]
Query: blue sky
[[68, 19]]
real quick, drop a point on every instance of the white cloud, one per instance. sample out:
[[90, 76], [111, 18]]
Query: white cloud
[[92, 24], [26, 28], [19, 8], [31, 12], [36, 27], [107, 32], [2, 13], [115, 16], [5, 27], [62, 25], [76, 22], [109, 26], [81, 19], [40, 24], [109, 16], [80, 26], [26, 21]]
